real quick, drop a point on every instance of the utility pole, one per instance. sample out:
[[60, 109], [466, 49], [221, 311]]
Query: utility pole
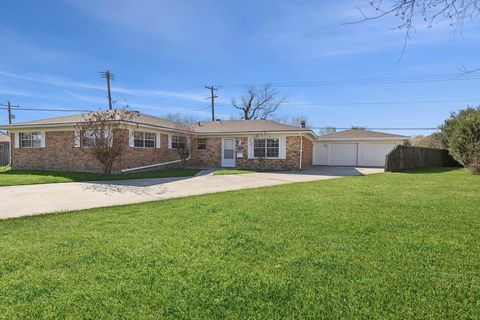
[[109, 76], [9, 106], [9, 112], [212, 97]]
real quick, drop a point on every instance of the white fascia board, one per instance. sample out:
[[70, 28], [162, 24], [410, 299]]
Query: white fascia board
[[252, 133], [362, 139]]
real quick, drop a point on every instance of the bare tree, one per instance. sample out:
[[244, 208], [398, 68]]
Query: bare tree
[[327, 130], [181, 119], [428, 12], [295, 121], [184, 149], [259, 103], [104, 134]]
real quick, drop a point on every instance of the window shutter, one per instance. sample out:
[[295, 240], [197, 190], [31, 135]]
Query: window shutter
[[157, 140], [250, 148], [169, 141], [17, 140], [131, 137], [282, 147], [77, 139], [42, 142]]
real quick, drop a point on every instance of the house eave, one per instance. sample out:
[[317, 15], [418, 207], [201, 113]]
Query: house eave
[[13, 127], [364, 139], [253, 132]]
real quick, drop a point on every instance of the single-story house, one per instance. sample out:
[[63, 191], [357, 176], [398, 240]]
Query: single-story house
[[356, 147], [4, 149], [57, 144]]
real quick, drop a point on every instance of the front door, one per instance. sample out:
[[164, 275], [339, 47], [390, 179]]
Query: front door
[[228, 152]]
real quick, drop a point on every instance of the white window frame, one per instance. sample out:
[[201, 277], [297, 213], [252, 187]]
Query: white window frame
[[265, 148], [143, 139], [204, 143], [40, 138], [86, 133], [174, 140]]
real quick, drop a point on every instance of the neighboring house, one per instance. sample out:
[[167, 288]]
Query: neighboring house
[[56, 144], [4, 150], [355, 147]]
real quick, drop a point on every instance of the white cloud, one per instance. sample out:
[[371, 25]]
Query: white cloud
[[65, 83]]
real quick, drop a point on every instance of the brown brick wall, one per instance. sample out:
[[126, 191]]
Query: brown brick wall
[[292, 156], [210, 157], [307, 152], [60, 154]]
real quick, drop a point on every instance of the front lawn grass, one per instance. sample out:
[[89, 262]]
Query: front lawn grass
[[224, 172], [22, 177], [385, 246]]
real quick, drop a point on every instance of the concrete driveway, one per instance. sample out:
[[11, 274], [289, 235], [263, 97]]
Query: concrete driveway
[[18, 201]]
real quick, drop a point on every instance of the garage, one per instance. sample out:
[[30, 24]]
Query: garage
[[356, 147], [343, 154]]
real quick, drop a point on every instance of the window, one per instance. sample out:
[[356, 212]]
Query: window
[[179, 142], [91, 137], [201, 143], [144, 139], [30, 139], [266, 148]]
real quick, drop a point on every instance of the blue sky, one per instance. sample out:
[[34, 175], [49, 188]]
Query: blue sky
[[164, 52]]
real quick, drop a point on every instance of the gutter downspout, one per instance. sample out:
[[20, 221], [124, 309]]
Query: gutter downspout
[[301, 152], [10, 147], [154, 165]]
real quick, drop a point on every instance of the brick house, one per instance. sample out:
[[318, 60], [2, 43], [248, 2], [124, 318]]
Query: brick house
[[56, 144]]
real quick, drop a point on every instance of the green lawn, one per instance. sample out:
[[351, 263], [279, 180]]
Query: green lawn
[[21, 177], [232, 171], [385, 246]]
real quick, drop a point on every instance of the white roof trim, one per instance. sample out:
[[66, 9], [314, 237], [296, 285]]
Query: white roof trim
[[365, 139]]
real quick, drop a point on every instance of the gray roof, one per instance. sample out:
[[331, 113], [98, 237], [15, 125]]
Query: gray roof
[[238, 126], [361, 134], [77, 118], [205, 127]]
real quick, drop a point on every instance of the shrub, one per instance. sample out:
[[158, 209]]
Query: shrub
[[430, 141], [461, 133]]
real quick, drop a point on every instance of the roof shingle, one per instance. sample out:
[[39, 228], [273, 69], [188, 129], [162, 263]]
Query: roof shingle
[[360, 134], [77, 118], [236, 126]]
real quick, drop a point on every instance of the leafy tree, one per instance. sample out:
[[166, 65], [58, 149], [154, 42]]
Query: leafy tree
[[461, 134]]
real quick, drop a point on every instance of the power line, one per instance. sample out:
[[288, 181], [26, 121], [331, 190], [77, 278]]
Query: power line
[[9, 107], [368, 103], [45, 109], [368, 81]]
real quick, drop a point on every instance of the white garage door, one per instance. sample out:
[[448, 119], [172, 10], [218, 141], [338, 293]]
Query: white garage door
[[343, 154], [374, 154]]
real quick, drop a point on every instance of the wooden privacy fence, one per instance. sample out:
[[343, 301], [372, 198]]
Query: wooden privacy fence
[[4, 153], [403, 158]]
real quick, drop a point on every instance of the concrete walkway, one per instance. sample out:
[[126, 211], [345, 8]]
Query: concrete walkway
[[18, 201]]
